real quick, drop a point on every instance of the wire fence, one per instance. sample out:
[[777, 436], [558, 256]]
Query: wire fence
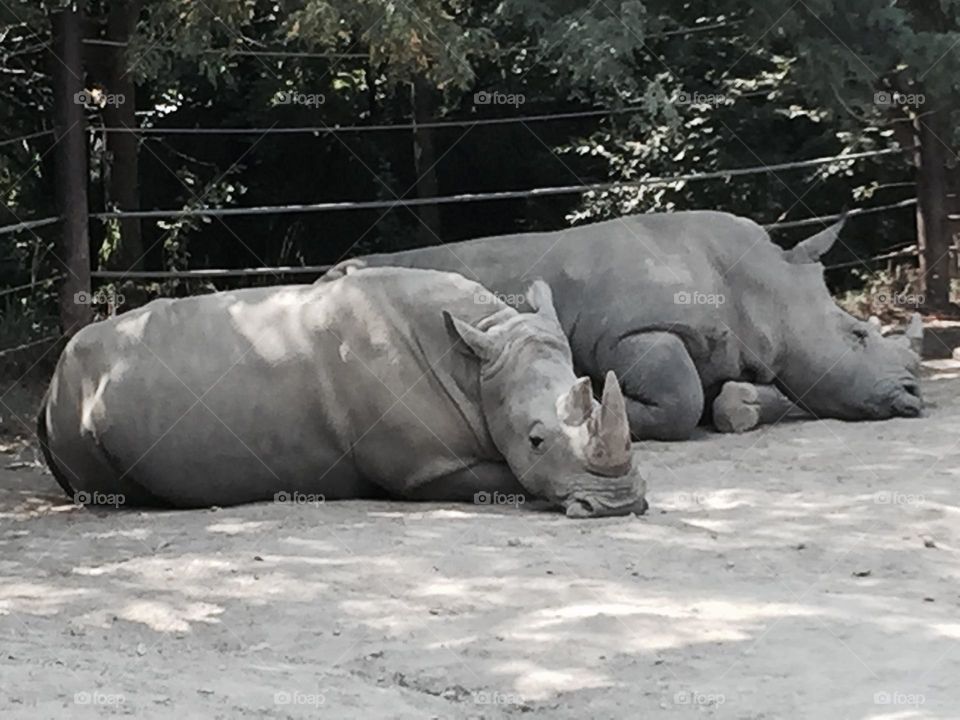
[[24, 138], [484, 197], [276, 271], [382, 127]]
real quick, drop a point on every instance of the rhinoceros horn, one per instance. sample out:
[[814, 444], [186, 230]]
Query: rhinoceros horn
[[811, 249], [609, 451]]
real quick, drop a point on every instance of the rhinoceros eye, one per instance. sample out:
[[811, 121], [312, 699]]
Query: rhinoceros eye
[[861, 334], [536, 442]]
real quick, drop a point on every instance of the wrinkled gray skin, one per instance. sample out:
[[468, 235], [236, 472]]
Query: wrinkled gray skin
[[387, 383], [778, 334]]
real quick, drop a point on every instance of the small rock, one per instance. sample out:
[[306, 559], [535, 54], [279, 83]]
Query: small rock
[[862, 573], [205, 691], [731, 565], [928, 541], [141, 649], [801, 546], [929, 599], [514, 542], [434, 611], [258, 558]]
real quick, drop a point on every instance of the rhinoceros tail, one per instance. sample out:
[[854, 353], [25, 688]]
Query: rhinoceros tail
[[42, 437]]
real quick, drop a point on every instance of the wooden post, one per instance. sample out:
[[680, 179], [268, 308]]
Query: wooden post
[[71, 175], [123, 184], [933, 234], [424, 160]]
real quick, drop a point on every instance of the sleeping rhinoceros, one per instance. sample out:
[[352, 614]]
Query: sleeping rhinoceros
[[388, 383], [701, 316]]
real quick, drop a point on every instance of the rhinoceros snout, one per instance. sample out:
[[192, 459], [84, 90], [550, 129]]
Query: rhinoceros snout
[[908, 401], [586, 507]]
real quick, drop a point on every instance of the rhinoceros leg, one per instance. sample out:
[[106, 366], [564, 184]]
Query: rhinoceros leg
[[661, 385], [742, 406]]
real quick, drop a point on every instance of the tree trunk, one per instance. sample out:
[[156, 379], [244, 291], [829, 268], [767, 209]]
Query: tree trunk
[[424, 159], [933, 231], [123, 183]]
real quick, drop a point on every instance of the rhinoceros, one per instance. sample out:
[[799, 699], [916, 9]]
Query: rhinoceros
[[700, 314], [388, 383]]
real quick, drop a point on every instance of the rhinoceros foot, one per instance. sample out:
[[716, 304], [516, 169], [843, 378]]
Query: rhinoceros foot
[[737, 408]]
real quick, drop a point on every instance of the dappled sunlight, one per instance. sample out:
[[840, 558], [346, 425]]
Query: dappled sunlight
[[166, 617], [235, 527], [35, 598], [535, 682], [751, 563]]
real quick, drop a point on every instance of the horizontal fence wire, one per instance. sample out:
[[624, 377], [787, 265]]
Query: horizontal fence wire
[[850, 213], [25, 346], [31, 136], [28, 225], [318, 269], [27, 286], [101, 42], [211, 272], [904, 251], [98, 42], [481, 197], [382, 127]]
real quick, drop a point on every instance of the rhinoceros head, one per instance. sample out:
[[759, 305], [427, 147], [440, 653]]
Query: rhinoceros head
[[834, 364], [561, 443]]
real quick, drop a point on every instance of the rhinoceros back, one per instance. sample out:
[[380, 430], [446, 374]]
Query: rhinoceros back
[[342, 389], [683, 273]]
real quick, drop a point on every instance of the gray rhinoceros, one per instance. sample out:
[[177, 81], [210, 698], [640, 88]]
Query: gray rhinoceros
[[389, 383], [700, 314]]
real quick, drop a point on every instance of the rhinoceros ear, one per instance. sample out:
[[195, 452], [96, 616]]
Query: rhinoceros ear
[[476, 341], [914, 333], [541, 299], [575, 406], [816, 246]]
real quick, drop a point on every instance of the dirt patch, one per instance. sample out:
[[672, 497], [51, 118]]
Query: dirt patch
[[809, 570]]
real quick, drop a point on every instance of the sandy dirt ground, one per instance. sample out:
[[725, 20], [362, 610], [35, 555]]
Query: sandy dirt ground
[[810, 570]]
